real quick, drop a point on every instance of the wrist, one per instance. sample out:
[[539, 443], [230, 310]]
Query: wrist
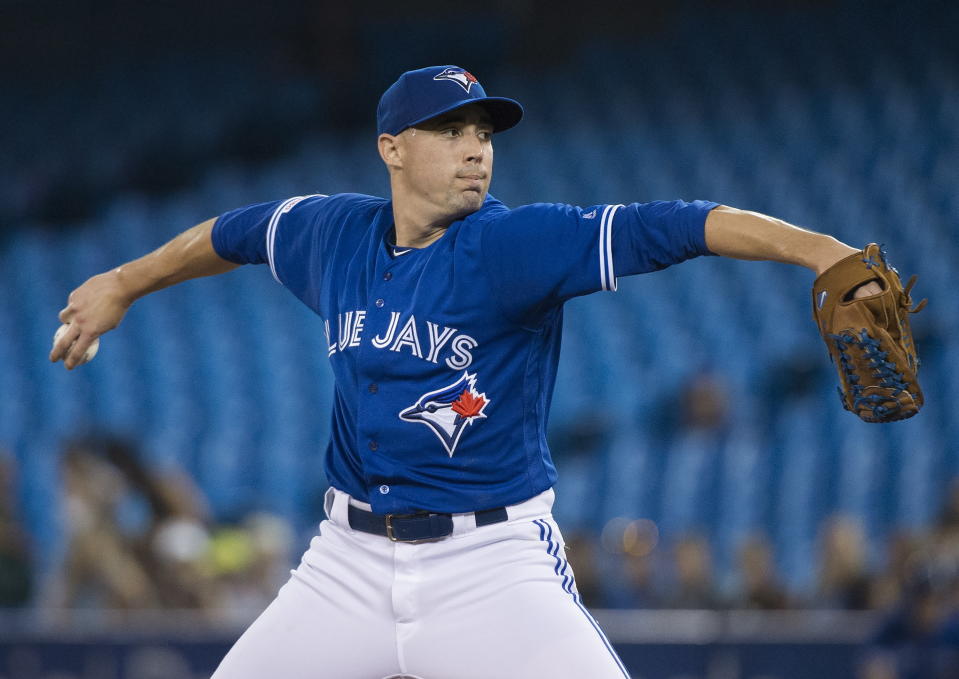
[[127, 287], [828, 253]]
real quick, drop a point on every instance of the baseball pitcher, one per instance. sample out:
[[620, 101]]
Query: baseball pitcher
[[442, 310]]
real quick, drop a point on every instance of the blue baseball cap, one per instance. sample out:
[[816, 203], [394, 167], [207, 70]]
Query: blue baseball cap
[[428, 92]]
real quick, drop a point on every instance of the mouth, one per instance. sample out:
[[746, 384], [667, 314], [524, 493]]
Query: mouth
[[474, 182]]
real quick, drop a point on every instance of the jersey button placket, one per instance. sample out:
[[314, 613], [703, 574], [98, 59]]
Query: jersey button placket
[[372, 373]]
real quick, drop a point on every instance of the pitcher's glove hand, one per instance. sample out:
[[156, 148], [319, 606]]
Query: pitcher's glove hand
[[868, 338]]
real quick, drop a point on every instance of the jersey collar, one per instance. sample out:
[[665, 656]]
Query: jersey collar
[[388, 238]]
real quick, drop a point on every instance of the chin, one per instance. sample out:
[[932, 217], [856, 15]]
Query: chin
[[466, 203], [472, 200]]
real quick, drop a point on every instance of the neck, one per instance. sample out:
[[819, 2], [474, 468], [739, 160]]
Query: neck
[[417, 222], [413, 228]]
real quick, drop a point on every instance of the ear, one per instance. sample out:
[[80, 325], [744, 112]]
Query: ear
[[390, 152]]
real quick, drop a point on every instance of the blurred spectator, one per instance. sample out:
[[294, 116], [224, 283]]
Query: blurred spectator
[[249, 563], [919, 636], [704, 401], [176, 545], [175, 557], [15, 581], [948, 518], [173, 542], [902, 560], [919, 639], [273, 543], [101, 568], [640, 572], [844, 580], [694, 586], [760, 586], [698, 407], [171, 554], [581, 553], [878, 665], [158, 562], [632, 544], [943, 556]]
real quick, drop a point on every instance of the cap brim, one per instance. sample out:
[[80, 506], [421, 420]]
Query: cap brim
[[504, 113]]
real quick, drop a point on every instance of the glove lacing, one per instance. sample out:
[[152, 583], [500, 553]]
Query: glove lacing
[[885, 370]]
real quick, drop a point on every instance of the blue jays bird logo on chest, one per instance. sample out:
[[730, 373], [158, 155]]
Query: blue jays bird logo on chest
[[461, 77], [449, 410]]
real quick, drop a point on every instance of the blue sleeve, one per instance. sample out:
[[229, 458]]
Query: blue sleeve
[[284, 234], [538, 256], [651, 236], [239, 236]]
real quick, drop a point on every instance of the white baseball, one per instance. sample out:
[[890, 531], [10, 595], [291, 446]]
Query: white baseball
[[91, 350]]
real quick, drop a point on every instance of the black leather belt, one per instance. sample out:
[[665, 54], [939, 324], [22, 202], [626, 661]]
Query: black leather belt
[[416, 527]]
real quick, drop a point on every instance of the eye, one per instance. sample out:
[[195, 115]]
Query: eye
[[432, 408], [485, 135], [450, 132]]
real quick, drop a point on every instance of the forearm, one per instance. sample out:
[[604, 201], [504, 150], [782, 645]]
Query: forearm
[[189, 255], [749, 235], [100, 303]]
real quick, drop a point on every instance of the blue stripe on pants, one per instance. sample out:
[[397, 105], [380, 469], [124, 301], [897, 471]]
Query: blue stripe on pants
[[552, 548]]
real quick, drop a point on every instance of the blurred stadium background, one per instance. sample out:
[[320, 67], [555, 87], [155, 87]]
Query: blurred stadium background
[[726, 518]]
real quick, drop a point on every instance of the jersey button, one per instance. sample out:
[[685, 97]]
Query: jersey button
[[373, 388], [388, 275], [374, 445], [384, 489], [379, 302]]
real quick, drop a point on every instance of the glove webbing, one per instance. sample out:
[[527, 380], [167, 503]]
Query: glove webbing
[[883, 369]]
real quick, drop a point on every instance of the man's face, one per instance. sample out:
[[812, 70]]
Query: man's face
[[447, 161]]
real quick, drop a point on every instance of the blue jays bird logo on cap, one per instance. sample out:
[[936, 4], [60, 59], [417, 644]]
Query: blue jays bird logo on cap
[[460, 76], [449, 410]]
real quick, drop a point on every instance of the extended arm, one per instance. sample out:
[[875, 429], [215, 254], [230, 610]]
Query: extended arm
[[749, 235], [100, 303]]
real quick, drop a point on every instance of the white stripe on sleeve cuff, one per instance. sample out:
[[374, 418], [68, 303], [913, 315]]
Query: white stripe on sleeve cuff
[[284, 207], [607, 276]]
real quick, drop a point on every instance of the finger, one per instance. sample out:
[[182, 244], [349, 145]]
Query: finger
[[66, 314], [867, 290], [62, 345], [76, 352]]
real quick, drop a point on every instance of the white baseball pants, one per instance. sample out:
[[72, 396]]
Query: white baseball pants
[[495, 602]]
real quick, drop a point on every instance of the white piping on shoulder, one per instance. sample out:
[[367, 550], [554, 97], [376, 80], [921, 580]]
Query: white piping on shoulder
[[284, 207]]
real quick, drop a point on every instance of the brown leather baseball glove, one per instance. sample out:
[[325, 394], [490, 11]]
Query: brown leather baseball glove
[[869, 339]]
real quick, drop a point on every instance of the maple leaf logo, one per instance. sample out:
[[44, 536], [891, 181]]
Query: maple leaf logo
[[468, 405]]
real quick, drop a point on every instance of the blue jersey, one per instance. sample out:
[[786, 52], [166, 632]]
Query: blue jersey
[[445, 357]]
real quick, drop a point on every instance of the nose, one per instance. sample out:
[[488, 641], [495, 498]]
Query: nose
[[474, 149]]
